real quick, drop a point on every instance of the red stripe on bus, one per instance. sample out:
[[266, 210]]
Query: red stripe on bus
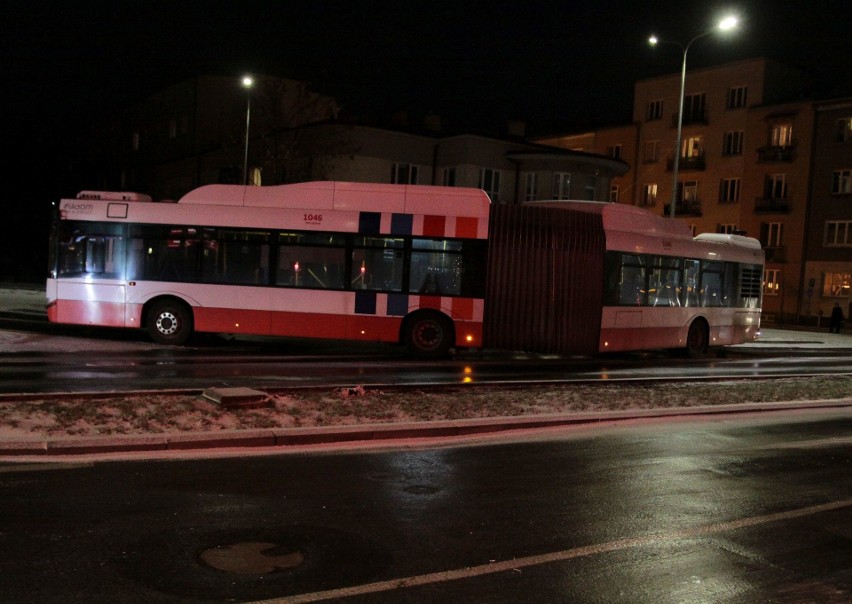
[[434, 226], [369, 328], [433, 302], [462, 308], [467, 227]]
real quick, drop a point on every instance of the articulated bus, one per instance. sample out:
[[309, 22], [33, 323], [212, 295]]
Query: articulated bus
[[430, 267]]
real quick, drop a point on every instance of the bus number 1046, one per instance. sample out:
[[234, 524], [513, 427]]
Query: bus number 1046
[[313, 217]]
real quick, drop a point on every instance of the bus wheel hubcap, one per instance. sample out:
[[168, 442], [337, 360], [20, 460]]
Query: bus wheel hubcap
[[167, 323]]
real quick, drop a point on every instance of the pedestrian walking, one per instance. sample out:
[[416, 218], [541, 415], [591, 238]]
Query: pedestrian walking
[[836, 320]]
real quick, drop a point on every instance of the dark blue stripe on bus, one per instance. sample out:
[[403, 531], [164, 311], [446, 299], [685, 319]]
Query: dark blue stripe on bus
[[369, 223], [402, 224], [365, 303], [397, 305]]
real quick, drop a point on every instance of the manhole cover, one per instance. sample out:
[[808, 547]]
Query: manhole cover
[[252, 558], [421, 489]]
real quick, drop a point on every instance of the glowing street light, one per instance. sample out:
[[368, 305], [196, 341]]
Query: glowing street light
[[727, 23], [247, 84]]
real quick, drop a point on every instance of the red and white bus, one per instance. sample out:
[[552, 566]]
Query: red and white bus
[[430, 267]]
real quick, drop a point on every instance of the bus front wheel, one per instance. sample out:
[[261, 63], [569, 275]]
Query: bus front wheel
[[428, 335], [698, 339], [169, 322]]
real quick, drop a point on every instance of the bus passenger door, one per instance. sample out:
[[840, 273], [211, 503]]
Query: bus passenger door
[[94, 293]]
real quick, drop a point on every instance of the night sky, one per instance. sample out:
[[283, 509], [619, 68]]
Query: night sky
[[560, 66]]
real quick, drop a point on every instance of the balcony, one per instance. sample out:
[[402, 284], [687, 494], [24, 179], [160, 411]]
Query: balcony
[[688, 163], [776, 154], [692, 118], [768, 205], [776, 254], [690, 208]]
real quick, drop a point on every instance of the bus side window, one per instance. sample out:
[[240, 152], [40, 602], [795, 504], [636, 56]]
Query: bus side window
[[93, 249], [632, 291], [711, 284], [308, 266], [689, 297], [377, 264]]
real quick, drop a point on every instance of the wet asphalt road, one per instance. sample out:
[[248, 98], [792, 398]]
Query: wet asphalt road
[[737, 509]]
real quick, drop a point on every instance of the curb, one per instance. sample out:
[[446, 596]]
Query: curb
[[367, 433]]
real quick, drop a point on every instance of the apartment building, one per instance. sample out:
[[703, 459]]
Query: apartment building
[[617, 142], [755, 158], [774, 198], [827, 272], [194, 134]]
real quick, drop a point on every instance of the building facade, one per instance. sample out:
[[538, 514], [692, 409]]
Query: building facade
[[827, 272], [756, 158], [195, 133]]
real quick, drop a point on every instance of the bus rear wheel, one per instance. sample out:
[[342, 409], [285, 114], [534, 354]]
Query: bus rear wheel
[[698, 339], [169, 322], [428, 335]]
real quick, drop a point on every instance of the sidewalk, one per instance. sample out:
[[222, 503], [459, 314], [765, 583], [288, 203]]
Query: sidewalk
[[239, 442]]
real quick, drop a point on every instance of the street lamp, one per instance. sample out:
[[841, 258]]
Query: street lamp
[[247, 83], [725, 24]]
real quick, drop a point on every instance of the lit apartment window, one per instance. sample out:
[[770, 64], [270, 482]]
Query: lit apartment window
[[655, 110], [844, 129], [404, 174], [562, 185], [733, 144], [652, 151], [771, 282], [841, 182], [782, 135], [729, 190], [836, 285], [613, 193], [691, 147], [530, 186], [649, 194], [838, 233], [448, 177], [489, 181], [254, 176], [737, 97], [687, 192]]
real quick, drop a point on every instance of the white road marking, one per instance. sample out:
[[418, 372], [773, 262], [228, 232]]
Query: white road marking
[[577, 552]]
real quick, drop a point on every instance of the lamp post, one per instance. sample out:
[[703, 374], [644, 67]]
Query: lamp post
[[247, 83], [725, 24]]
